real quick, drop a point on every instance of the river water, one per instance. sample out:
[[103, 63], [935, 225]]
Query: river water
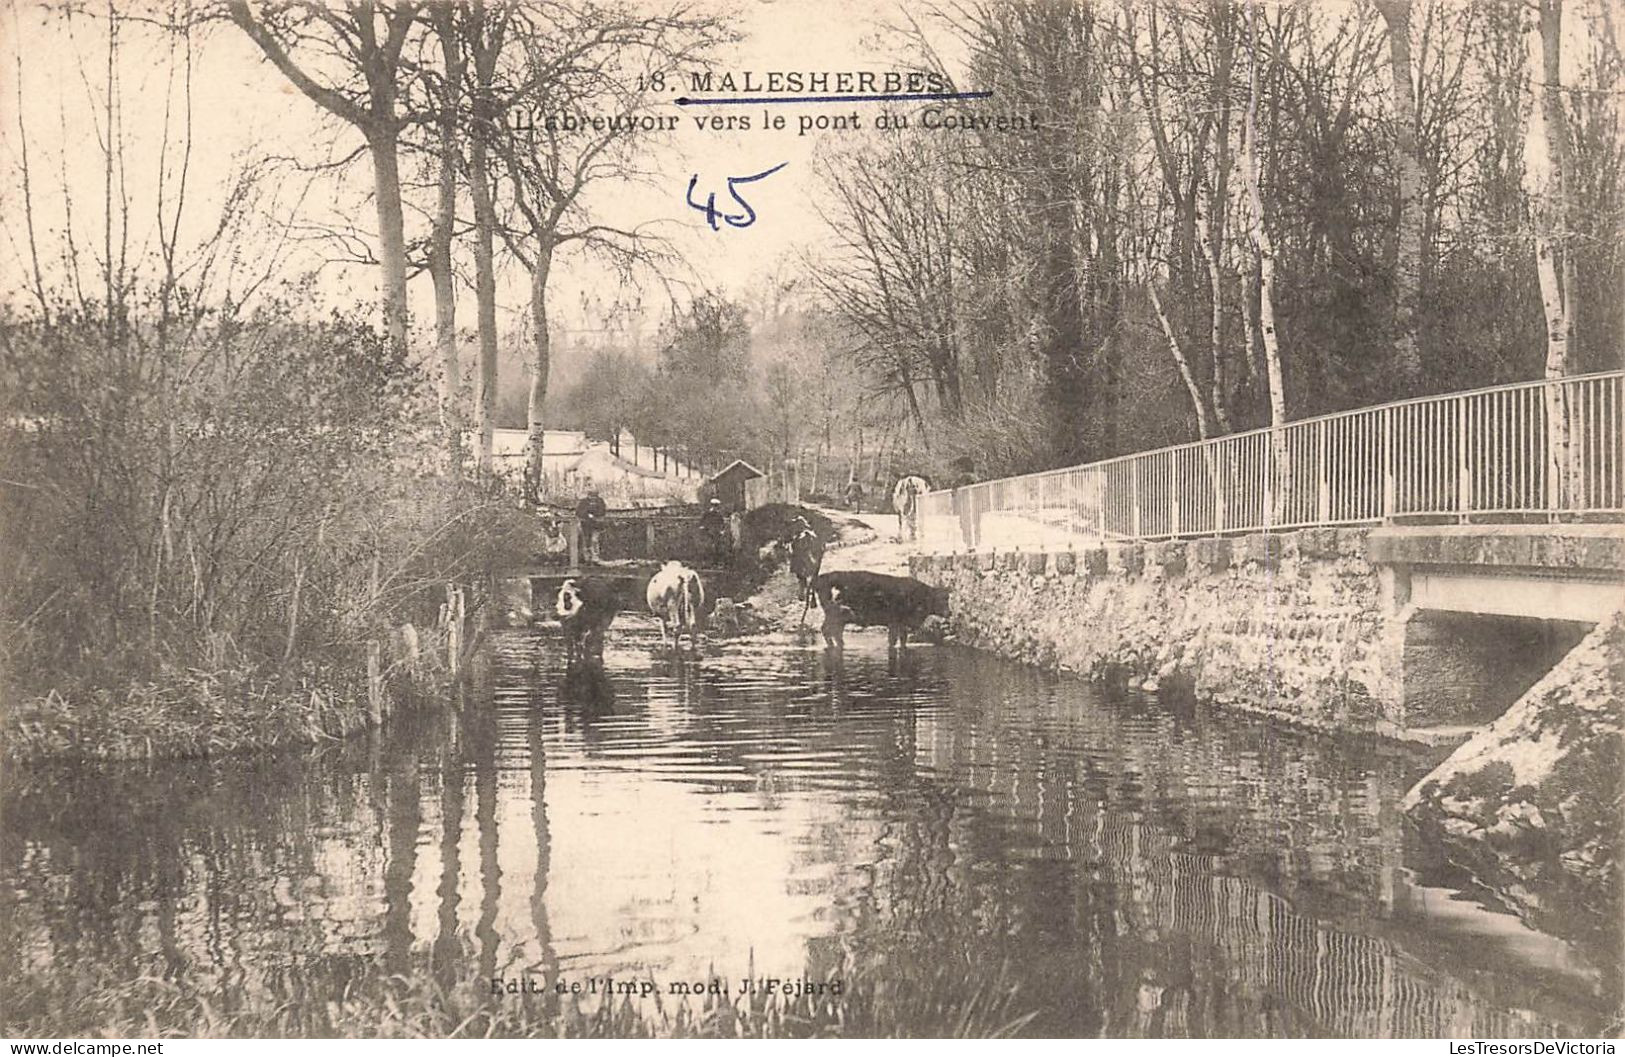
[[1126, 869]]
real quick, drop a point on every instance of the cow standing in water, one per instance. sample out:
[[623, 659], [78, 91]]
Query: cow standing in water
[[901, 603], [806, 558], [586, 607], [676, 595], [905, 499]]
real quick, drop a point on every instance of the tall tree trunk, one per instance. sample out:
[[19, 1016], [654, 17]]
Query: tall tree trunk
[[1065, 389], [1266, 279], [540, 367], [445, 217], [485, 223], [1546, 172], [1249, 320], [1220, 393], [382, 143], [906, 377], [1212, 231], [1408, 166], [485, 294], [1106, 312]]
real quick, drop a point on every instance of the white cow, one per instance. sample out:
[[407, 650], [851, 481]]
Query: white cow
[[677, 597], [905, 499]]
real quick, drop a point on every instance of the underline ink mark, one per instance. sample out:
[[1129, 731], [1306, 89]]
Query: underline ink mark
[[916, 97], [735, 220]]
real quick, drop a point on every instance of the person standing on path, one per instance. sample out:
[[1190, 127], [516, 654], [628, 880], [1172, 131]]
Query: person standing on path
[[590, 515], [714, 530]]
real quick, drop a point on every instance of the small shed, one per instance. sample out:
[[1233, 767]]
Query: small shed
[[728, 484]]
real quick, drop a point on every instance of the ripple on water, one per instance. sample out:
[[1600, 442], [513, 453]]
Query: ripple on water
[[1133, 869]]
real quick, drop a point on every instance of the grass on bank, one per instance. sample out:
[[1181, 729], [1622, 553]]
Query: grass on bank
[[188, 712]]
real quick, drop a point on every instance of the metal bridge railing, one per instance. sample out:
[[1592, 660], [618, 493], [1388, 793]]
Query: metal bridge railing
[[1532, 448]]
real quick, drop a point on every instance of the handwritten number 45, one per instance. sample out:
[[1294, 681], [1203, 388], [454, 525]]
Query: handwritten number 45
[[712, 214]]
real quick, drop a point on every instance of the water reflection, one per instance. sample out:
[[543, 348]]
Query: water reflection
[[1132, 870]]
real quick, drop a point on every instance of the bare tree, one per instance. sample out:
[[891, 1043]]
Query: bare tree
[[485, 33], [447, 94], [368, 36], [893, 281], [570, 58], [1408, 165], [1186, 109], [1547, 164], [1264, 250]]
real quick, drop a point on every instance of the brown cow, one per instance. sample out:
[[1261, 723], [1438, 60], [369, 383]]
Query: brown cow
[[865, 598]]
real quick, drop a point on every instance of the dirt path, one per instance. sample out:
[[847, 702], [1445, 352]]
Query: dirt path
[[867, 541]]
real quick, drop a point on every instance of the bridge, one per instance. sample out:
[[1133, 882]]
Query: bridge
[[1404, 569], [632, 546], [1512, 468], [539, 586]]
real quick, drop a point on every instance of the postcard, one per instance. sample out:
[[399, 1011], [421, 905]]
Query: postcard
[[812, 518]]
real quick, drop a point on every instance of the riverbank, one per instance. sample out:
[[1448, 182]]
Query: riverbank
[[179, 712], [330, 656]]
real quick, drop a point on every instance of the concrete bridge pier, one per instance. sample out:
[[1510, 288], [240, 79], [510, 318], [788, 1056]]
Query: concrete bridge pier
[[1462, 671], [1487, 610], [1425, 633]]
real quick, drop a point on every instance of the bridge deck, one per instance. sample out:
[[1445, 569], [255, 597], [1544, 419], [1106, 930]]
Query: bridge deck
[[627, 578], [613, 571]]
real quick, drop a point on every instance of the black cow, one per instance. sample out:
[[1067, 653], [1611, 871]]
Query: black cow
[[866, 598], [586, 606], [806, 557]]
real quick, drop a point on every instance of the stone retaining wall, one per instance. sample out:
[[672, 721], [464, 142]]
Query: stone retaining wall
[[1310, 628], [1290, 625]]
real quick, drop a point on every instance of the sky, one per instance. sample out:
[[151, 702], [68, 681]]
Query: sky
[[52, 83], [243, 110]]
